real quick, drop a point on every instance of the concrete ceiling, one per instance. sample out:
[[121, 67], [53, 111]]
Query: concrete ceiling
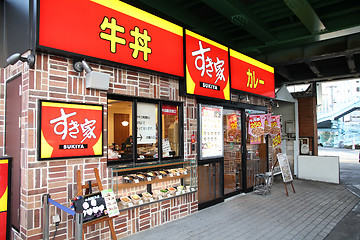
[[305, 40]]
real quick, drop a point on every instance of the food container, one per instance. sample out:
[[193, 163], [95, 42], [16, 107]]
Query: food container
[[163, 173], [180, 188], [135, 198], [171, 190], [125, 201], [127, 179], [182, 170], [174, 171], [146, 196], [156, 193], [141, 176], [151, 174], [164, 192]]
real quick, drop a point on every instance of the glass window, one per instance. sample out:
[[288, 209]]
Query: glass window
[[120, 130], [170, 131], [147, 131]]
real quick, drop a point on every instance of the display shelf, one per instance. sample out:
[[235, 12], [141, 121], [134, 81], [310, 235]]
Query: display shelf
[[117, 169], [155, 180], [123, 208]]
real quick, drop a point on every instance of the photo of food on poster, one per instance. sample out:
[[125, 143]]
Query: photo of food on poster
[[211, 132], [275, 130], [267, 123], [256, 125]]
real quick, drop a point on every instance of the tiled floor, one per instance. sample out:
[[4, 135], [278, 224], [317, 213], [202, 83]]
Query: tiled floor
[[311, 213]]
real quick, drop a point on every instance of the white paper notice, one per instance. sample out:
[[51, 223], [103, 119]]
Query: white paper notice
[[146, 123]]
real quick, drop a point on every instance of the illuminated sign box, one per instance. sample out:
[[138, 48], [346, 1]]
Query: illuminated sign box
[[207, 67], [250, 75], [111, 30], [70, 130]]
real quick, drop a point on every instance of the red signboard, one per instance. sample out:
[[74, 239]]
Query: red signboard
[[112, 30], [250, 75], [4, 198], [70, 130], [169, 110], [207, 67]]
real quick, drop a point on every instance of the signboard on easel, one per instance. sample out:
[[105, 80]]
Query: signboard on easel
[[284, 167], [285, 170]]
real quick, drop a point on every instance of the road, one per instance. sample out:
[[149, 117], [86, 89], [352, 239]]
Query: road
[[348, 227], [349, 164]]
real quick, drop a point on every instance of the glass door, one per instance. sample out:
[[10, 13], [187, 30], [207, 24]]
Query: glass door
[[232, 151], [256, 149]]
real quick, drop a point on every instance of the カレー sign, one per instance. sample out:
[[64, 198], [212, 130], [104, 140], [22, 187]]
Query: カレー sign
[[207, 67], [70, 130], [112, 30], [250, 75]]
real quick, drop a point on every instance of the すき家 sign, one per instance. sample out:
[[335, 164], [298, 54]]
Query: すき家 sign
[[69, 130], [207, 67]]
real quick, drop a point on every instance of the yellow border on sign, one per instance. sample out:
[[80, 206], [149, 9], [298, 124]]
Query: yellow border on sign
[[251, 61], [227, 91], [46, 148], [70, 105], [204, 39], [4, 161], [190, 84], [4, 200], [97, 148], [141, 15]]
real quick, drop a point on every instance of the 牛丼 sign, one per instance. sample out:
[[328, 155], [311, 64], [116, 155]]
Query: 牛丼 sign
[[69, 130], [250, 75], [207, 67], [111, 30]]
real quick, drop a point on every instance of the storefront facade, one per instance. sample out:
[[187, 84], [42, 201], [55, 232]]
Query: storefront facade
[[163, 103]]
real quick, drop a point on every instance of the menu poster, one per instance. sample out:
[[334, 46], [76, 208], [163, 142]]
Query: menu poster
[[275, 130], [110, 201], [211, 132], [166, 147], [146, 123], [256, 125], [267, 126], [284, 167]]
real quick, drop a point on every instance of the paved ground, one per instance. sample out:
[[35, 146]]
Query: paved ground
[[311, 213], [349, 226]]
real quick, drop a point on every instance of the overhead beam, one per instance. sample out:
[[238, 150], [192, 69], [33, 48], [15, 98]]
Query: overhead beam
[[314, 69], [307, 15], [351, 64], [238, 14], [197, 24]]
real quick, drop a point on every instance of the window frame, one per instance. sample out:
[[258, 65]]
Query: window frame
[[159, 103]]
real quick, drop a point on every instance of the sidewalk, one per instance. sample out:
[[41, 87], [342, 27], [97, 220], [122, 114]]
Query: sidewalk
[[311, 213]]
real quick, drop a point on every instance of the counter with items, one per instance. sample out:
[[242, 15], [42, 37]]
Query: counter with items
[[147, 184]]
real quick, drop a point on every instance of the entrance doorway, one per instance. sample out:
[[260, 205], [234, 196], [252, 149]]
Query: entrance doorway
[[232, 151]]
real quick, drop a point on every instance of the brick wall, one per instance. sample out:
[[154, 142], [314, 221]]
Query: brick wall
[[53, 78]]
